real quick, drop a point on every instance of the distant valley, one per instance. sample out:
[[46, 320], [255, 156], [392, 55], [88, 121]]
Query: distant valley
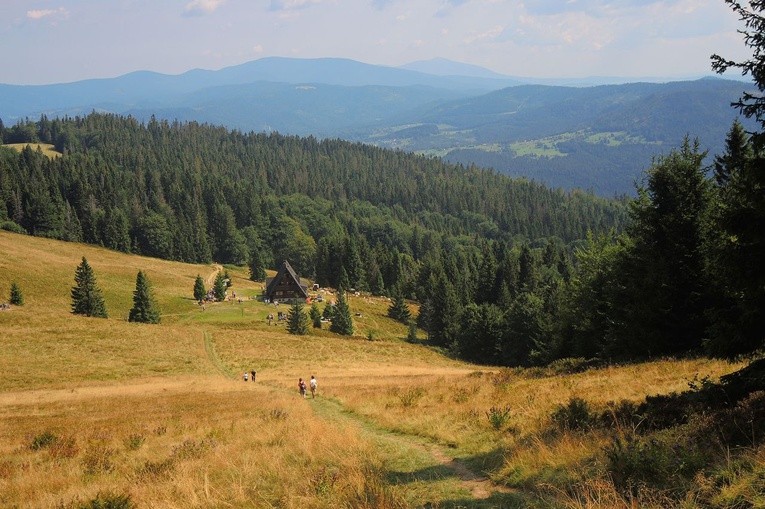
[[596, 137]]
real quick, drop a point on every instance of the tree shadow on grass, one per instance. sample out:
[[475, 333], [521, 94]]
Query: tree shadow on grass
[[484, 493]]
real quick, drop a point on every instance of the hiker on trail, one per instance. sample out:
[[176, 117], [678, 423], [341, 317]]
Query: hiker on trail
[[246, 375], [301, 386], [313, 384], [252, 374]]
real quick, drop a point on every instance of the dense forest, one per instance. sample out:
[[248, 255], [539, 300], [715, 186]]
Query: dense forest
[[505, 271]]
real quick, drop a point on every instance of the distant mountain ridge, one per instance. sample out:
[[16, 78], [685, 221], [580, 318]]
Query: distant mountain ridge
[[594, 137]]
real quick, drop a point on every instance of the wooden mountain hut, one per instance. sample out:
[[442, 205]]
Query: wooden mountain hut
[[285, 285]]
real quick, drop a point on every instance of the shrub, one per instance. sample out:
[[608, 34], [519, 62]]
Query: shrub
[[502, 377], [98, 460], [10, 226], [411, 397], [155, 469], [620, 415], [666, 463], [134, 442], [570, 365], [64, 448], [498, 416], [108, 501], [43, 440], [575, 415]]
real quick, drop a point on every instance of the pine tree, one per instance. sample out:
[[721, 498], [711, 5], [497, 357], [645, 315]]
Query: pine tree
[[297, 320], [342, 323], [86, 295], [666, 287], [219, 288], [257, 270], [398, 309], [329, 311], [737, 247], [145, 308], [17, 299], [411, 335], [315, 315], [743, 203], [199, 288]]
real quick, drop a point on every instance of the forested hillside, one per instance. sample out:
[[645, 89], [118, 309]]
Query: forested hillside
[[506, 272], [195, 193]]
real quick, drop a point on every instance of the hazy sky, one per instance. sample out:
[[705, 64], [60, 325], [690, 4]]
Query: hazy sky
[[44, 41]]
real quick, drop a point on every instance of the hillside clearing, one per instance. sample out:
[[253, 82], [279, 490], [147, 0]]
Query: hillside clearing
[[95, 408]]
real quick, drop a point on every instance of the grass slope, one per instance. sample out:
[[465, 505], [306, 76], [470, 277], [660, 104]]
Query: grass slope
[[97, 411], [46, 148]]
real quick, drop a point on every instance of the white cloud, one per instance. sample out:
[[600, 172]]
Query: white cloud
[[37, 14], [491, 33], [289, 5], [199, 7]]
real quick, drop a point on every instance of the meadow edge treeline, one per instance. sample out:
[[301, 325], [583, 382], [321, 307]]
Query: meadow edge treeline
[[506, 271]]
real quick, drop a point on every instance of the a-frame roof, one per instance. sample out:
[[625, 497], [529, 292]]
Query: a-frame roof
[[293, 280]]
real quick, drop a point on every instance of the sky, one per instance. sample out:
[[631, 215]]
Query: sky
[[55, 41]]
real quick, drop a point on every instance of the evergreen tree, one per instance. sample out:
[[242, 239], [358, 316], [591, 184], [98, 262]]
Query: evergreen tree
[[315, 315], [86, 295], [425, 315], [481, 334], [342, 323], [145, 309], [17, 299], [750, 104], [663, 276], [329, 311], [398, 309], [737, 248], [297, 321], [344, 283], [219, 288], [257, 269], [199, 288], [444, 320], [743, 204], [411, 335]]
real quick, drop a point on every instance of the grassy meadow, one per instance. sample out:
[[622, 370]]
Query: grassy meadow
[[46, 148], [102, 411]]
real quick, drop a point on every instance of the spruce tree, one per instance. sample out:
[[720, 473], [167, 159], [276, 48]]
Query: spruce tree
[[342, 323], [411, 334], [736, 249], [86, 295], [17, 299], [329, 311], [219, 288], [145, 308], [398, 309], [315, 315], [257, 270], [199, 288], [297, 320]]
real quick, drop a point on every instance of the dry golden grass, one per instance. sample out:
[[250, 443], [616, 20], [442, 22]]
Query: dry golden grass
[[215, 443], [47, 149], [158, 412]]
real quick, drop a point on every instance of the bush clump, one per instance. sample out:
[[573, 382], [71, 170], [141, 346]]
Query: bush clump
[[43, 440], [574, 416]]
